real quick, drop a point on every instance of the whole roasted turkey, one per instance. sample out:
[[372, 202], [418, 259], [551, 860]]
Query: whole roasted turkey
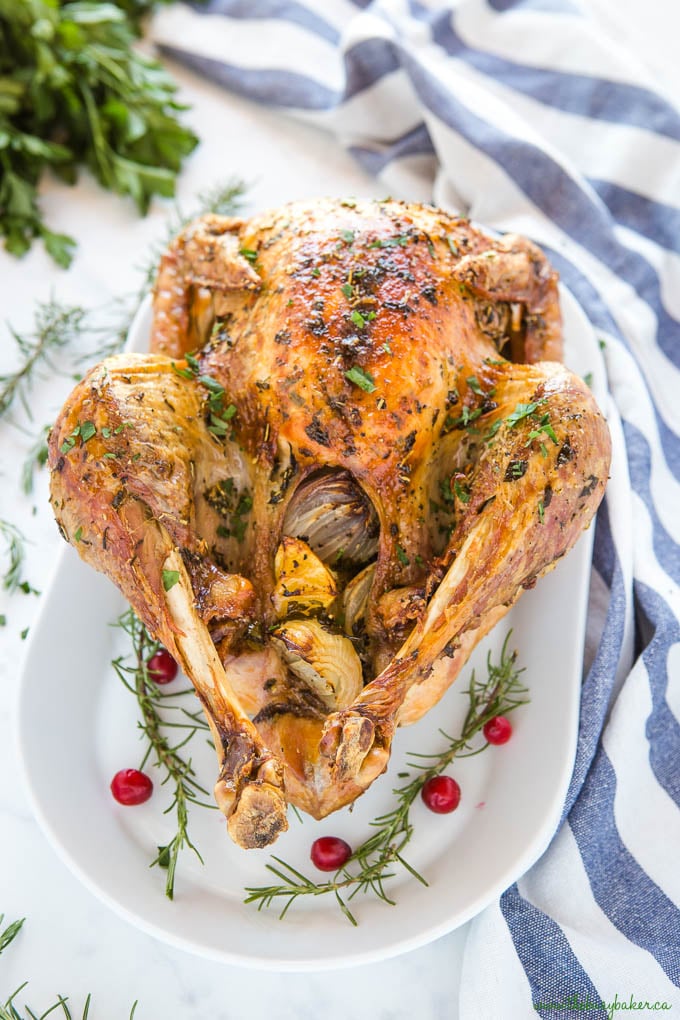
[[350, 450]]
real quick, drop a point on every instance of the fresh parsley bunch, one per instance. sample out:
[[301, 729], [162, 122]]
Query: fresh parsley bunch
[[74, 91]]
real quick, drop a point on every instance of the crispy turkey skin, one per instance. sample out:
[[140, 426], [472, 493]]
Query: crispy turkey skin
[[351, 447]]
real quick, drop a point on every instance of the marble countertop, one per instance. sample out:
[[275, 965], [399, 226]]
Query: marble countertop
[[71, 943]]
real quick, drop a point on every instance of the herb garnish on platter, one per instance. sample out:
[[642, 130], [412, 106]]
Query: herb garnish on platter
[[373, 863], [163, 718]]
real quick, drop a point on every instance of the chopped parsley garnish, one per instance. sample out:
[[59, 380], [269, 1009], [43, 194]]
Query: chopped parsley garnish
[[211, 384], [360, 320], [473, 383], [464, 421], [544, 428], [70, 440], [185, 373], [364, 380], [462, 493], [521, 412], [316, 271], [445, 490], [232, 507], [87, 430], [541, 511], [402, 557], [391, 242], [348, 290], [453, 247], [170, 578], [249, 254], [347, 236], [78, 534], [219, 415]]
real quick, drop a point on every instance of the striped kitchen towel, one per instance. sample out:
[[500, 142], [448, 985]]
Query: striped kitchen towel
[[517, 113]]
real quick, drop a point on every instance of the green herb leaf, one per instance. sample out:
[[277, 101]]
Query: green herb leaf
[[170, 578], [402, 557], [249, 254], [10, 932], [358, 319], [364, 380], [78, 534], [87, 431]]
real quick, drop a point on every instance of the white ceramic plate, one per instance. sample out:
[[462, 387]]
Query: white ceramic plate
[[77, 727]]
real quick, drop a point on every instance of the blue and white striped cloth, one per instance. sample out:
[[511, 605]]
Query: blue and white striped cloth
[[518, 113]]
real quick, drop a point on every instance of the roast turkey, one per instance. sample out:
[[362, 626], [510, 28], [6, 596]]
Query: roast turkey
[[352, 446]]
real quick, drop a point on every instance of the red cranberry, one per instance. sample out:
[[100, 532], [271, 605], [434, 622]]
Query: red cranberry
[[330, 853], [162, 667], [498, 730], [130, 786], [441, 794]]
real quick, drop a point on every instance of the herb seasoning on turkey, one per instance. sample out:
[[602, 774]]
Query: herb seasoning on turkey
[[349, 439]]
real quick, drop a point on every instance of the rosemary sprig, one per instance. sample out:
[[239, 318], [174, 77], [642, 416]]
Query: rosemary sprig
[[10, 932], [35, 458], [373, 863], [16, 552], [55, 327], [154, 705], [8, 1011]]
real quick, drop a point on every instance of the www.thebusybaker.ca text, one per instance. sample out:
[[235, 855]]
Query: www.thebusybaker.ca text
[[574, 1003]]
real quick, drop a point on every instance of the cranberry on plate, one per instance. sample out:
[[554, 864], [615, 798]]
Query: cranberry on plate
[[130, 786], [498, 730], [330, 853], [441, 794]]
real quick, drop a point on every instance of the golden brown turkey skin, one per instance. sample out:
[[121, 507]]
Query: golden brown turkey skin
[[355, 482]]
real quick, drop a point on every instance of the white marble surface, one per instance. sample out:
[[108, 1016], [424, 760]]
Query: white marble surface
[[72, 944]]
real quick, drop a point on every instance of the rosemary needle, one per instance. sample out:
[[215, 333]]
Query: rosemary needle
[[374, 862]]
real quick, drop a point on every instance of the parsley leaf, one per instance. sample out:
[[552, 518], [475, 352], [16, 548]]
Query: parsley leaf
[[170, 578], [71, 72], [364, 380]]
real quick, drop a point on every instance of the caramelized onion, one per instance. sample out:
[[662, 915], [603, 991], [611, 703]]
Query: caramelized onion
[[335, 517]]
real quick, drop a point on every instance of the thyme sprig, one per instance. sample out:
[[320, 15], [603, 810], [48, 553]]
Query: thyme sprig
[[155, 705], [374, 862]]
